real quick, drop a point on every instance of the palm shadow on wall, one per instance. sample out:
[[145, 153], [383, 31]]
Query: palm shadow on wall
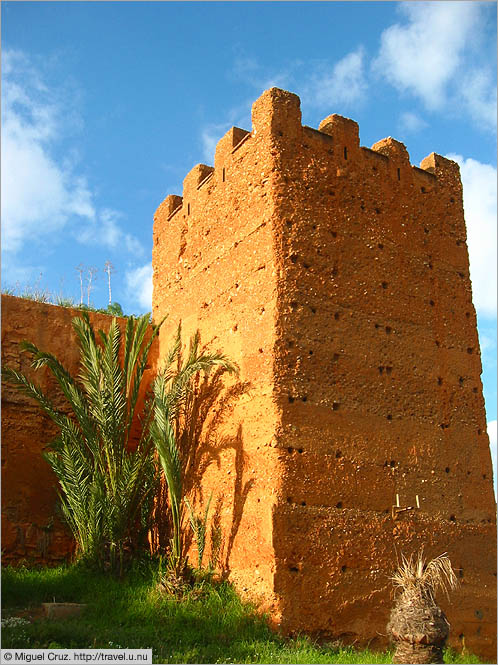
[[207, 409]]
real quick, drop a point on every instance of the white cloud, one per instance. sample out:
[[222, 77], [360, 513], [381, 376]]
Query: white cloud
[[479, 199], [106, 231], [411, 122], [342, 85], [139, 286], [479, 93], [432, 56], [493, 449], [16, 276], [42, 195], [326, 85], [39, 196]]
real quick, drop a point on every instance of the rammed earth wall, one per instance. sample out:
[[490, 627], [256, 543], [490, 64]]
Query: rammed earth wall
[[31, 529], [337, 277]]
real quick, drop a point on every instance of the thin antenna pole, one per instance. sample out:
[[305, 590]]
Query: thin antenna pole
[[109, 268], [80, 269]]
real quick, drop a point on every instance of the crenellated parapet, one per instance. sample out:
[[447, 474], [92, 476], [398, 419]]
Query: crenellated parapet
[[276, 116]]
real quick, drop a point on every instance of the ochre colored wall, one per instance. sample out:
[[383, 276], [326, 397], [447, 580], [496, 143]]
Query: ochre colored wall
[[214, 270], [31, 529], [337, 277]]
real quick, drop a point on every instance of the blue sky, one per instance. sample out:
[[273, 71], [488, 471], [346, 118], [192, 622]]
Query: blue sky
[[107, 105]]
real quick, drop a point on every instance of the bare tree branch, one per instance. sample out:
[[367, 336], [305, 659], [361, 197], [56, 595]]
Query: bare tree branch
[[92, 277]]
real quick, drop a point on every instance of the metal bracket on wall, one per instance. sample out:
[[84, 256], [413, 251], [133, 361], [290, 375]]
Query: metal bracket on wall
[[397, 509]]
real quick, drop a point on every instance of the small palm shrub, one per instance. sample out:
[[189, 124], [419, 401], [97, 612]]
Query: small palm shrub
[[418, 626], [198, 524], [173, 388], [107, 482]]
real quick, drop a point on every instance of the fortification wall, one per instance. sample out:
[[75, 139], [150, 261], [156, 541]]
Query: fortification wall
[[378, 375], [337, 277], [214, 270], [31, 528]]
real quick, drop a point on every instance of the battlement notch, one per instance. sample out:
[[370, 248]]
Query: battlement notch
[[225, 147], [193, 179]]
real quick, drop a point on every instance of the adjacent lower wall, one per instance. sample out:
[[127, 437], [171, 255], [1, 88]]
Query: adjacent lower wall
[[31, 529]]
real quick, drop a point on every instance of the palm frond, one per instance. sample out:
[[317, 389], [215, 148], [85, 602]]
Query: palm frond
[[136, 363], [415, 574], [34, 391], [67, 384]]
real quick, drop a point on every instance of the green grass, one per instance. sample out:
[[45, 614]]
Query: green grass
[[212, 626]]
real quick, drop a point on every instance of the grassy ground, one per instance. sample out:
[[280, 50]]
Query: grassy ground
[[210, 626]]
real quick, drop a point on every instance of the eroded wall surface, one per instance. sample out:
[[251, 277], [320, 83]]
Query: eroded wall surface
[[378, 373], [32, 530], [337, 277], [214, 270]]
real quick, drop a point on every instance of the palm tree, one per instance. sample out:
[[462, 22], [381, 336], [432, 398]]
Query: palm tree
[[107, 482], [172, 389], [417, 625]]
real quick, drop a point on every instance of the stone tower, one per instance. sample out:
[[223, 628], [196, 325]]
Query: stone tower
[[337, 277]]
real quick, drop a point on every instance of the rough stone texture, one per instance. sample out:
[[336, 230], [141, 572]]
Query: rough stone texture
[[337, 277], [31, 528]]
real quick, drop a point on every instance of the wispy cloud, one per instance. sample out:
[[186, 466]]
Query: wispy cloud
[[479, 199], [139, 286], [487, 342], [434, 55], [42, 191], [238, 115], [327, 85], [341, 84], [411, 122], [106, 230]]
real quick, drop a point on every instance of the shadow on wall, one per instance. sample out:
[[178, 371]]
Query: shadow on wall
[[209, 406], [240, 492]]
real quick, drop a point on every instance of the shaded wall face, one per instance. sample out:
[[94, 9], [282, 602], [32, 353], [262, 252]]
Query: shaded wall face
[[32, 530], [214, 271], [377, 371]]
